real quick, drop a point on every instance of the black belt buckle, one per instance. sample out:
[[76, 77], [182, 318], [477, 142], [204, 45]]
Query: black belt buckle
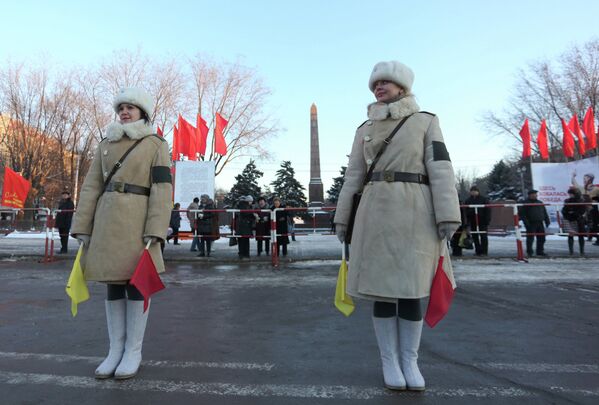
[[389, 176], [118, 186]]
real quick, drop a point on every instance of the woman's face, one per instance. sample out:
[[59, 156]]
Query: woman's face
[[277, 203], [129, 113], [386, 91], [586, 179]]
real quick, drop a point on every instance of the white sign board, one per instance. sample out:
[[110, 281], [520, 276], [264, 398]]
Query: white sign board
[[192, 179], [553, 180]]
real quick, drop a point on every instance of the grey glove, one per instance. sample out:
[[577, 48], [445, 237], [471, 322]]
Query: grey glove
[[148, 238], [83, 239], [447, 229], [340, 231]]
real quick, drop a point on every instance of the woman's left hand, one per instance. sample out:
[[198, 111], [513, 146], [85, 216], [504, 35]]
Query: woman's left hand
[[447, 229], [150, 238]]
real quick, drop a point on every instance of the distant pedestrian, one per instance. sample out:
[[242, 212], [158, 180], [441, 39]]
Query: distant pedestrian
[[478, 221], [63, 220], [205, 225], [291, 222], [192, 217], [574, 219], [262, 227], [534, 217], [282, 222], [175, 224], [244, 226]]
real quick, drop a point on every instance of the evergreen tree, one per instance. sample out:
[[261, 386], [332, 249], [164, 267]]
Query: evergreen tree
[[246, 184], [287, 188], [335, 189], [501, 182]]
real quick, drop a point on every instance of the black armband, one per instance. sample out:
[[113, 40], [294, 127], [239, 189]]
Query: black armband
[[440, 151], [161, 174]]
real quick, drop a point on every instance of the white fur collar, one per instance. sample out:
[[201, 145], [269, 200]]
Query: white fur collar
[[399, 109], [134, 130]]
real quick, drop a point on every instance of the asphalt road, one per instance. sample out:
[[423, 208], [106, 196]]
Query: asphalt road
[[243, 333]]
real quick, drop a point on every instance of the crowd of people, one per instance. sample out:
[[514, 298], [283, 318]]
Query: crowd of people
[[252, 221]]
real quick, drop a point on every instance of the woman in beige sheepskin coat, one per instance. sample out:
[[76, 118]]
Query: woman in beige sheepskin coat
[[407, 210], [115, 223]]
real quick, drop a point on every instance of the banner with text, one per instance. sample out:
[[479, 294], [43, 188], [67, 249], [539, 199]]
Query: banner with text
[[553, 180], [192, 179]]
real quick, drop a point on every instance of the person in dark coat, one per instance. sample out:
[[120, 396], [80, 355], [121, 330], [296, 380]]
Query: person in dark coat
[[534, 217], [63, 220], [456, 249], [175, 224], [262, 227], [574, 219], [282, 226], [191, 216], [478, 223], [244, 226], [204, 224]]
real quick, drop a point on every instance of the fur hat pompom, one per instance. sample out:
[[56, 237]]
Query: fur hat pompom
[[393, 71], [136, 96]]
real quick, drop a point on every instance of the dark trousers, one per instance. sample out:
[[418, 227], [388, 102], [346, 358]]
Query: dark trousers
[[174, 236], [64, 239], [535, 228], [266, 242], [405, 308], [481, 240], [279, 249], [122, 291], [244, 246], [205, 245]]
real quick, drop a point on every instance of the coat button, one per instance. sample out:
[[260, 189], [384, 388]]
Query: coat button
[[367, 138], [369, 123], [105, 152], [105, 174], [369, 161]]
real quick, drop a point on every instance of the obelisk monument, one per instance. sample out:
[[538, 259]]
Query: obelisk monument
[[315, 192]]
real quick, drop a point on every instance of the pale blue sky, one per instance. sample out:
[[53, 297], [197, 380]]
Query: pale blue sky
[[465, 55]]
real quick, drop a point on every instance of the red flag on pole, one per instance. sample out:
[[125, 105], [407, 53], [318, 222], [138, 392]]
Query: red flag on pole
[[202, 135], [525, 134], [15, 189], [188, 132], [568, 142], [145, 277], [159, 131], [220, 145], [175, 156], [575, 128], [588, 126], [183, 137], [542, 140], [440, 298]]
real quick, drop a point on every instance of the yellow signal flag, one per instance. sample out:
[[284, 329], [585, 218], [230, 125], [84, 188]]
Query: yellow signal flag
[[76, 286], [343, 302]]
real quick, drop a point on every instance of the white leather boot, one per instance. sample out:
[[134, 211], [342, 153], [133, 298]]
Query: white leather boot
[[136, 327], [115, 319], [385, 330], [409, 342]]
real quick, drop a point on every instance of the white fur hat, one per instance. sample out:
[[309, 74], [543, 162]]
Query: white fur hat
[[136, 96], [393, 71]]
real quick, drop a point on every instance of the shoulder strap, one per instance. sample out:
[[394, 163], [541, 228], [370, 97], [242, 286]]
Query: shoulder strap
[[118, 164], [386, 143]]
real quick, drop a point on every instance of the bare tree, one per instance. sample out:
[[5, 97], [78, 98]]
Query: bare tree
[[239, 95], [550, 90]]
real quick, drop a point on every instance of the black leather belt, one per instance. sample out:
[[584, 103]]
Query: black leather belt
[[121, 187], [390, 176]]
